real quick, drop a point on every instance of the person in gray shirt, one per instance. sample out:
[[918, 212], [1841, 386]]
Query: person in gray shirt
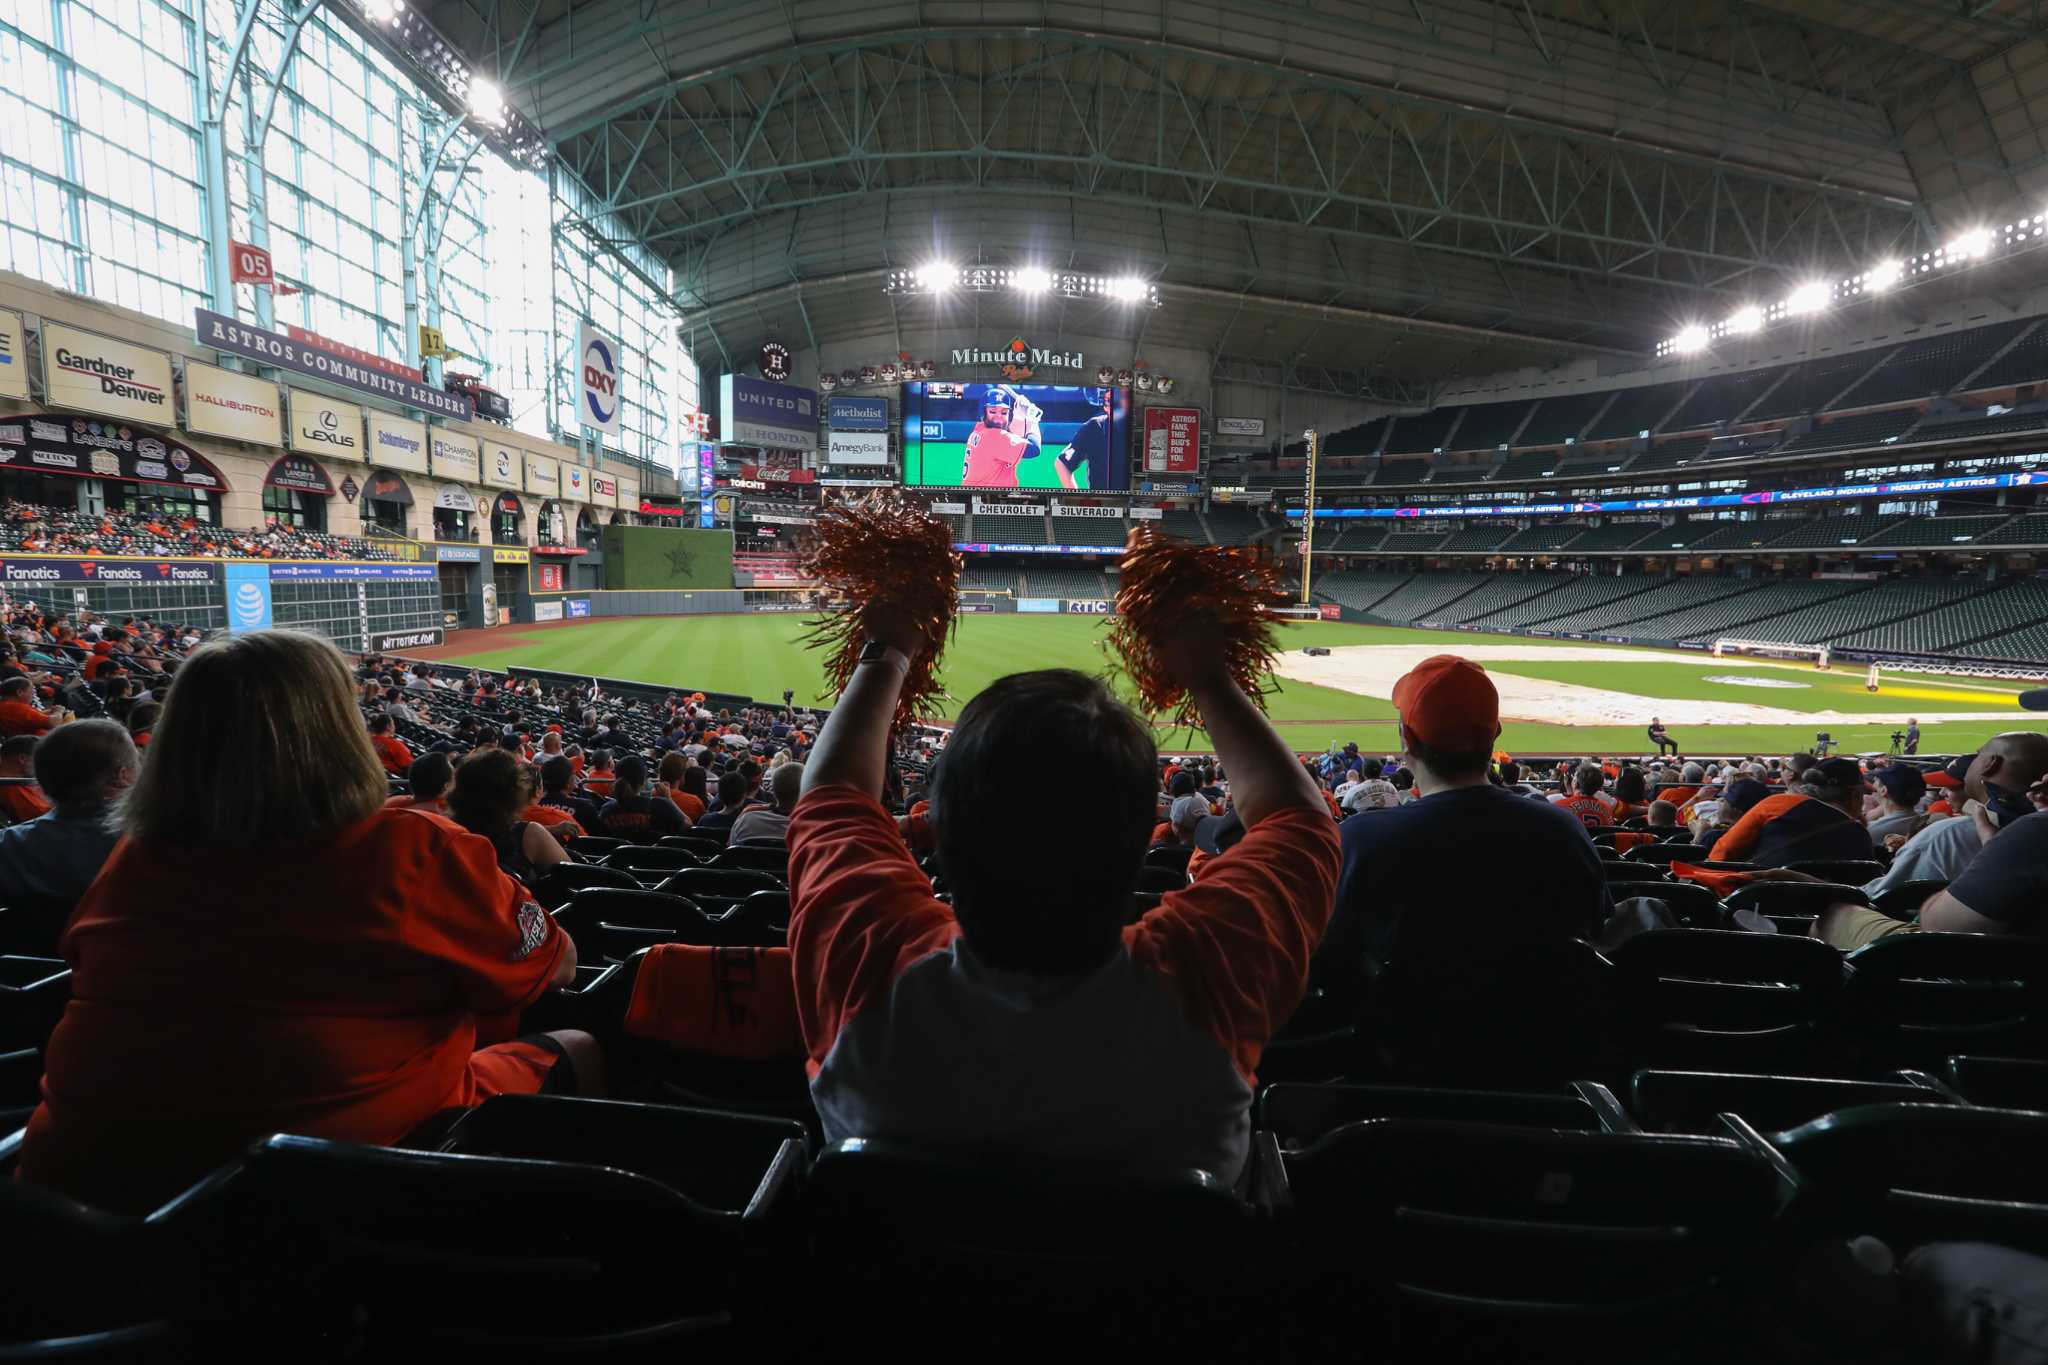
[[47, 863], [1997, 779], [1899, 791]]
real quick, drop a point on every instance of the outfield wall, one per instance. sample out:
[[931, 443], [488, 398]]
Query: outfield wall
[[666, 557]]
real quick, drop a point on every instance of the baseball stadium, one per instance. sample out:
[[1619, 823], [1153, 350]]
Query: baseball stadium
[[1296, 679]]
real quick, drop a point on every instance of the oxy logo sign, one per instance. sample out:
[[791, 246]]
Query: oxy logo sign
[[598, 359], [248, 588]]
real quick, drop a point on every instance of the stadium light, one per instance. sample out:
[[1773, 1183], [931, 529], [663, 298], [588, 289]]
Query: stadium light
[[486, 101], [1691, 340], [942, 277], [1883, 275], [1970, 246], [1810, 297], [1127, 289], [938, 277], [383, 11], [1747, 318], [1031, 280]]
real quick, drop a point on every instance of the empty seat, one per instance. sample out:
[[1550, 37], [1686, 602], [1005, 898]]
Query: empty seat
[[1666, 853], [1725, 1001], [82, 1284], [754, 858], [1915, 999], [1623, 870], [324, 1242], [1470, 1241], [1691, 1101], [743, 1164], [2001, 1082], [647, 858], [564, 880], [1170, 856], [33, 994], [1844, 871], [1298, 1115], [1152, 877], [719, 888]]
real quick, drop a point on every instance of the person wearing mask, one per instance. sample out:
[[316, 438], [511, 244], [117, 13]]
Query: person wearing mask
[[784, 785], [268, 953], [491, 793], [1028, 1016], [20, 798], [391, 751], [635, 814], [83, 768], [428, 777]]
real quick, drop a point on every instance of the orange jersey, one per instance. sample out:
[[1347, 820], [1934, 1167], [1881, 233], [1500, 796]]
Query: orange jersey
[[992, 458]]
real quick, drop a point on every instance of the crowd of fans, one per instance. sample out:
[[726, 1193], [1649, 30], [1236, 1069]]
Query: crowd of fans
[[27, 527], [430, 819]]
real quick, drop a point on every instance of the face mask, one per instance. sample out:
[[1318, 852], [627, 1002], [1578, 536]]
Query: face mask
[[2006, 805]]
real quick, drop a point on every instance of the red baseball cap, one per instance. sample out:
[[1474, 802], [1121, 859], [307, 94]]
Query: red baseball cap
[[1450, 704]]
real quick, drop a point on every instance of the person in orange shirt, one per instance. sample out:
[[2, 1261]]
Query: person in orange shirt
[[18, 712], [142, 719], [687, 793], [266, 954], [392, 752], [20, 798], [598, 781]]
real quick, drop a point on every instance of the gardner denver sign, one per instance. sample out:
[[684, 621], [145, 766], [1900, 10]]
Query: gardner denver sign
[[91, 373]]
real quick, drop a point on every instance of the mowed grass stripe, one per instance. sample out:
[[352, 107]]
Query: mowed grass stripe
[[761, 655]]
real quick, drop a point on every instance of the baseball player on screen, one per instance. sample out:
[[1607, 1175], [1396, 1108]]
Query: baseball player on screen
[[1090, 446], [1007, 436]]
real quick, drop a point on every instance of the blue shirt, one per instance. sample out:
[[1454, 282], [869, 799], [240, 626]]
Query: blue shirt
[[1463, 871], [53, 858]]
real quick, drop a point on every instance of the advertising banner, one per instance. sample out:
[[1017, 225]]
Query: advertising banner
[[240, 407], [857, 447], [324, 426], [450, 497], [459, 554], [13, 356], [248, 598], [982, 548], [25, 570], [1241, 426], [398, 443], [348, 352], [52, 443], [1173, 440], [548, 577], [543, 474], [1147, 514], [1039, 604], [1068, 509], [575, 607], [955, 509], [91, 373], [300, 475], [547, 611], [604, 490], [406, 639], [315, 360], [455, 457], [290, 570], [599, 378], [857, 414], [1096, 607], [626, 492], [511, 555], [755, 412], [1331, 611], [501, 466], [1008, 509], [575, 483]]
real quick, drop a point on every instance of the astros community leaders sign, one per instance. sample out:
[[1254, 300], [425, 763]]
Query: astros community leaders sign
[[301, 357]]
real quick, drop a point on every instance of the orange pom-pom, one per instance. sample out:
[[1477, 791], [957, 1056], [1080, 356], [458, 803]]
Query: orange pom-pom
[[884, 549], [1166, 586]]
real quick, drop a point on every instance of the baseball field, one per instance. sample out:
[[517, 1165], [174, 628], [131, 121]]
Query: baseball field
[[1556, 696]]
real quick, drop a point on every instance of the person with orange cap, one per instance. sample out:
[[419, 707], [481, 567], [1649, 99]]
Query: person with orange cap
[[1470, 870]]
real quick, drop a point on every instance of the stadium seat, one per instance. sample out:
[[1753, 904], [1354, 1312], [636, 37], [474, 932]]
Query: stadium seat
[[1846, 871], [2000, 1082], [642, 859], [684, 919], [594, 845], [1905, 899], [1692, 905], [1475, 1241], [774, 861], [1692, 1101], [564, 880], [1794, 906], [1621, 870], [332, 1242], [704, 846], [1159, 1259], [1441, 1022], [33, 994], [741, 1164], [82, 1284], [1162, 879], [1170, 856], [1917, 1173], [718, 889], [762, 917], [1298, 1115], [1726, 1001], [1664, 854], [1914, 1000]]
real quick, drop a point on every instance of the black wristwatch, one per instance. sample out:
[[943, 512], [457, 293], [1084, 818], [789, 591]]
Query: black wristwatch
[[876, 652]]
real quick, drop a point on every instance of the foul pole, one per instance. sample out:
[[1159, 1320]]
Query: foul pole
[[1308, 509]]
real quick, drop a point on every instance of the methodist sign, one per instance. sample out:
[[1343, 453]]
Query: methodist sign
[[240, 407], [599, 375], [91, 373], [318, 362], [755, 412], [857, 414]]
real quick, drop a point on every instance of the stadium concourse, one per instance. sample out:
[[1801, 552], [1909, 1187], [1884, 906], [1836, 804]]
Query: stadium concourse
[[445, 910]]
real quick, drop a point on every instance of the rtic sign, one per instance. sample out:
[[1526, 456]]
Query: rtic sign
[[1097, 607]]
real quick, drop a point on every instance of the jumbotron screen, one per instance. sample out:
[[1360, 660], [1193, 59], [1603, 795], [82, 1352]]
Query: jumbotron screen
[[997, 436]]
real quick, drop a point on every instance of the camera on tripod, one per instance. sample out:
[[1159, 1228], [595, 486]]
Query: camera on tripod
[[1822, 742]]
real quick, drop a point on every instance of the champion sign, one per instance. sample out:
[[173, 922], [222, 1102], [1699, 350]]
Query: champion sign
[[599, 361]]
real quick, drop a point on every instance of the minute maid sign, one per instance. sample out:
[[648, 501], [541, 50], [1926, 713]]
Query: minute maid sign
[[1019, 359]]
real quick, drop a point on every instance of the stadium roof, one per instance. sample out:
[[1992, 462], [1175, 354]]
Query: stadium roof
[[1418, 190]]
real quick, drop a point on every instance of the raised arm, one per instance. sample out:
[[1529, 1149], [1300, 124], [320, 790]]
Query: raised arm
[[853, 748], [1265, 778]]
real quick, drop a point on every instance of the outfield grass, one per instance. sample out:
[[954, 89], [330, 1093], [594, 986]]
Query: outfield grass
[[760, 656]]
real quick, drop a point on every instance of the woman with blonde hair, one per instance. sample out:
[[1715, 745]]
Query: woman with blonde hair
[[270, 949]]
